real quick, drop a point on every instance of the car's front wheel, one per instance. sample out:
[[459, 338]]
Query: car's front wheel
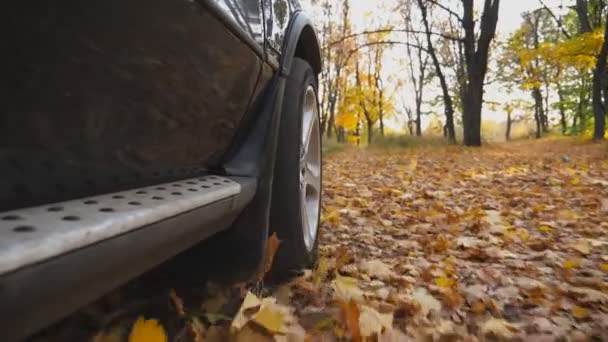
[[296, 199]]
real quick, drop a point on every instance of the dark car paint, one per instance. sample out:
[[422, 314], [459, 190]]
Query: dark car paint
[[98, 96], [250, 153]]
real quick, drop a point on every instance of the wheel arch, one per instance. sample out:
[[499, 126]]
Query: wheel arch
[[301, 42]]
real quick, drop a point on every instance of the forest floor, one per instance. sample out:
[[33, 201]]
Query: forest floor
[[507, 242]]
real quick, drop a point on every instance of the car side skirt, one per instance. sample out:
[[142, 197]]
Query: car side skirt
[[39, 294]]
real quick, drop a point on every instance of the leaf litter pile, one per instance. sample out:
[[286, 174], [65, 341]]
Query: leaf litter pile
[[504, 243]]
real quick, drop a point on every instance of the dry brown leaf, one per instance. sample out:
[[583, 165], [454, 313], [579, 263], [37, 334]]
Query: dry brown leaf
[[350, 316], [498, 328], [177, 303], [373, 323], [427, 302], [376, 269], [272, 246]]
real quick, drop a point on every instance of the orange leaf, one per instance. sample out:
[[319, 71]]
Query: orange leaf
[[178, 303], [350, 313], [272, 245], [580, 312], [478, 307]]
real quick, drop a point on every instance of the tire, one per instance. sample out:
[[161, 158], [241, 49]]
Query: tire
[[291, 208]]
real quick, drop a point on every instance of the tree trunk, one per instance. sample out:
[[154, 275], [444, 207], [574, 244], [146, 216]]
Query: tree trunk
[[509, 123], [447, 99], [418, 117], [476, 58], [562, 109], [545, 113], [370, 131], [582, 10], [471, 118], [538, 111], [599, 109]]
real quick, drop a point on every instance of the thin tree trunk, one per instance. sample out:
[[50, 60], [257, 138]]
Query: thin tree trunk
[[447, 99], [599, 112], [509, 123], [538, 111], [418, 117], [370, 131], [562, 109]]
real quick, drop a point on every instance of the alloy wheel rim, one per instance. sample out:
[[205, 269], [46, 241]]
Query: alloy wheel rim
[[310, 168]]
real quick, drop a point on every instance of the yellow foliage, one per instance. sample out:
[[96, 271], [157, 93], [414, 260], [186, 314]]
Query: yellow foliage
[[572, 263], [578, 52], [147, 330]]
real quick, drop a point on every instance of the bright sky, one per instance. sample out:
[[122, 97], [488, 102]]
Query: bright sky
[[368, 14]]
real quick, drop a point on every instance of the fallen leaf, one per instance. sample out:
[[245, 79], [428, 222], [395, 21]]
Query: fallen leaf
[[346, 288], [582, 246], [426, 301], [147, 330], [178, 304], [572, 264], [196, 330], [320, 272], [350, 314], [498, 328], [444, 282], [249, 307], [604, 205], [579, 312], [272, 245], [271, 318], [371, 322], [108, 336], [376, 269]]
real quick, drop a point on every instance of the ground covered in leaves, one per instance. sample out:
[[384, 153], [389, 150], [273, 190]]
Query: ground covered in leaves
[[508, 242]]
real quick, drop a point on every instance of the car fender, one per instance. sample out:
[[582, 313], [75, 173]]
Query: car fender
[[300, 41]]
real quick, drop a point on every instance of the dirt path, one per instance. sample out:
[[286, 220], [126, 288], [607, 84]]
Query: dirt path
[[499, 243]]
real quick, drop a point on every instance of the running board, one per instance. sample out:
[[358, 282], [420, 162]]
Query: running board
[[57, 257]]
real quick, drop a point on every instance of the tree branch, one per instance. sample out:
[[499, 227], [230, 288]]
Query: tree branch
[[363, 33], [447, 9], [557, 20], [388, 42]]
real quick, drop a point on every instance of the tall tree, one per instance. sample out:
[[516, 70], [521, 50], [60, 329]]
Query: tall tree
[[476, 48], [418, 62], [599, 91], [447, 97]]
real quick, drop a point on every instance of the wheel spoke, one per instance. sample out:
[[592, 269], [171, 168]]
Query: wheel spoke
[[312, 177], [305, 219]]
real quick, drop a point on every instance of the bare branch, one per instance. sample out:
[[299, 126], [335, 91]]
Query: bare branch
[[447, 9], [557, 20], [387, 42], [342, 39]]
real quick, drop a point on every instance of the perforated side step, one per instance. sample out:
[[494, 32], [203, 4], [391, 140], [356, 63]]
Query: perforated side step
[[29, 236]]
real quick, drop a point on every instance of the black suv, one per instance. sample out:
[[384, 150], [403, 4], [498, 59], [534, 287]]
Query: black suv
[[132, 131]]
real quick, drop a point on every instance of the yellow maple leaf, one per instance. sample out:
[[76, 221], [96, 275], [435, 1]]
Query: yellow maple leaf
[[444, 282], [604, 267], [572, 263], [545, 229], [332, 217], [272, 320], [147, 330], [579, 312], [575, 181]]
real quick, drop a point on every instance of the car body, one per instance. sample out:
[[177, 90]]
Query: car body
[[131, 131]]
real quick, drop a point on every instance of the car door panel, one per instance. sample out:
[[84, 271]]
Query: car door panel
[[97, 96]]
